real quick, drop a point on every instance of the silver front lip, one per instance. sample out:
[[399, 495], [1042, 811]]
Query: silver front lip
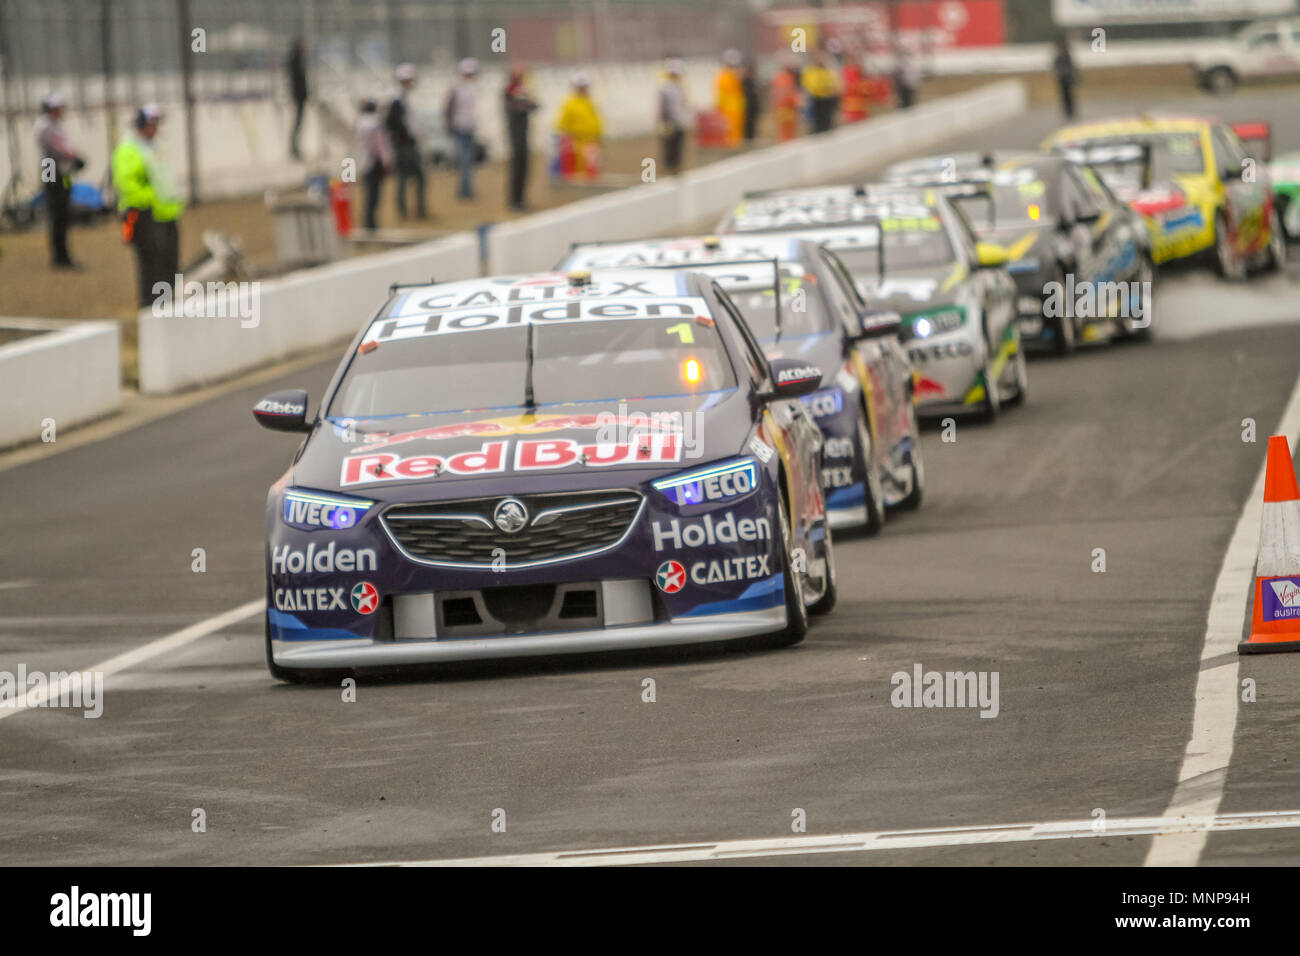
[[686, 630]]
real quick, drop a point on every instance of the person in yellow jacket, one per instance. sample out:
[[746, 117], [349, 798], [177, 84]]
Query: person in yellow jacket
[[730, 96], [150, 205], [580, 122], [823, 89]]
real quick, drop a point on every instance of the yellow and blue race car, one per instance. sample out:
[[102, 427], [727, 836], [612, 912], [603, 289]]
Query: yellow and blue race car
[[1192, 180]]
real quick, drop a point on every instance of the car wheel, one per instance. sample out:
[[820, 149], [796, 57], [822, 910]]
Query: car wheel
[[1276, 243], [1289, 211], [830, 592], [796, 611], [917, 464], [992, 399], [874, 489], [1063, 326], [1231, 266], [1221, 81], [1022, 378], [1146, 273]]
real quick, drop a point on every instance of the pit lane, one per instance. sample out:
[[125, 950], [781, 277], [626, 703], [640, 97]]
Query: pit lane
[[1134, 449]]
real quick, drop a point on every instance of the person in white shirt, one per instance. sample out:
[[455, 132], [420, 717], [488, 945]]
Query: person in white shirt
[[674, 116], [377, 158], [59, 163], [461, 117]]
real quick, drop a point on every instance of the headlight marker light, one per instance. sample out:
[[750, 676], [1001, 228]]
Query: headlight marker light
[[314, 509], [936, 323], [713, 483]]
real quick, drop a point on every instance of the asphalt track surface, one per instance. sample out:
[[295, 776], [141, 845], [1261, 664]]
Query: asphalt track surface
[[1135, 449]]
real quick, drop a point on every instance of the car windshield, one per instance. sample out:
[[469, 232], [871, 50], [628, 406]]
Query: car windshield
[[911, 243], [750, 288], [1171, 154], [1018, 196], [578, 361]]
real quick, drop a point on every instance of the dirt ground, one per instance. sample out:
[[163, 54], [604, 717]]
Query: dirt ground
[[104, 288]]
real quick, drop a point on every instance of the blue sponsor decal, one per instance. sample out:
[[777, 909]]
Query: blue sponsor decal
[[759, 596], [286, 627], [1192, 219]]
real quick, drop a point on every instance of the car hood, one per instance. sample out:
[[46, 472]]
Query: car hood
[[539, 449], [911, 290]]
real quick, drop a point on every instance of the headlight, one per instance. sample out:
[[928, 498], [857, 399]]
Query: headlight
[[309, 510], [824, 401], [936, 323], [720, 482]]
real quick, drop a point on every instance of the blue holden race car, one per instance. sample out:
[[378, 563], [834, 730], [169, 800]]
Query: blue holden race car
[[864, 406], [546, 464]]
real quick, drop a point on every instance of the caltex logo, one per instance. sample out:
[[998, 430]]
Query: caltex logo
[[671, 577], [365, 598]]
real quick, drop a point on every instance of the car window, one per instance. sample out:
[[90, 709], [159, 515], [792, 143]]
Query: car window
[[842, 297], [1078, 201], [752, 354], [1228, 151], [573, 361], [1265, 38]]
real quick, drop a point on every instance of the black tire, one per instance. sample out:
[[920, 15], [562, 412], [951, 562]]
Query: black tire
[[916, 496], [826, 603], [1220, 81], [1022, 379], [873, 490], [1229, 265], [1063, 341], [796, 611], [1276, 242], [1147, 272], [992, 400]]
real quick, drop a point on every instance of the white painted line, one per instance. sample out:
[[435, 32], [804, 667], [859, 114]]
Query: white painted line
[[876, 840], [13, 585], [138, 655], [1209, 749]]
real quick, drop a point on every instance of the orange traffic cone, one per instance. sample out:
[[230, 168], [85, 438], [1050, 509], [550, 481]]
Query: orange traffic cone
[[1275, 625]]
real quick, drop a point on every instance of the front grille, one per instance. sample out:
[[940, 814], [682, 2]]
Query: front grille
[[463, 533]]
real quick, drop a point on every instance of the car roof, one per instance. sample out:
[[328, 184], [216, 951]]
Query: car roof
[[686, 250], [1131, 126]]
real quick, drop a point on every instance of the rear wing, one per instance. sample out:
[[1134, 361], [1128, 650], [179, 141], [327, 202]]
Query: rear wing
[[1103, 155], [1257, 137]]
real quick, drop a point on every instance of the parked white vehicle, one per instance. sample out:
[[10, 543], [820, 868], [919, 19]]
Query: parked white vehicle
[[1266, 49]]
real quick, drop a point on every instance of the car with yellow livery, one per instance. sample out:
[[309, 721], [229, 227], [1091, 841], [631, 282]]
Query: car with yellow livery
[[1195, 183]]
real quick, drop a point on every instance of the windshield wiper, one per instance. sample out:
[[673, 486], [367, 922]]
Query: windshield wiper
[[529, 400]]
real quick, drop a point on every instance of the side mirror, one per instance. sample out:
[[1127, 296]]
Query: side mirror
[[989, 256], [792, 378], [877, 325], [283, 411]]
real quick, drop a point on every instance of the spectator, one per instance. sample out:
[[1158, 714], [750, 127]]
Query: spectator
[[580, 123], [749, 93], [406, 145], [376, 158], [297, 67], [461, 117], [857, 89], [150, 205], [1066, 76], [520, 107], [785, 100], [907, 75], [674, 116], [823, 88], [730, 96], [59, 163]]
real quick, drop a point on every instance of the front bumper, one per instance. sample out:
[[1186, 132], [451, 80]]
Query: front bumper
[[362, 652]]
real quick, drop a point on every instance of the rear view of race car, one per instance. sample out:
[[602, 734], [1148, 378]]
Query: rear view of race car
[[910, 251], [801, 305], [546, 464]]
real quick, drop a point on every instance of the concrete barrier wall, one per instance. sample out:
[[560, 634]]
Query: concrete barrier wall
[[71, 374], [693, 199], [293, 314]]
